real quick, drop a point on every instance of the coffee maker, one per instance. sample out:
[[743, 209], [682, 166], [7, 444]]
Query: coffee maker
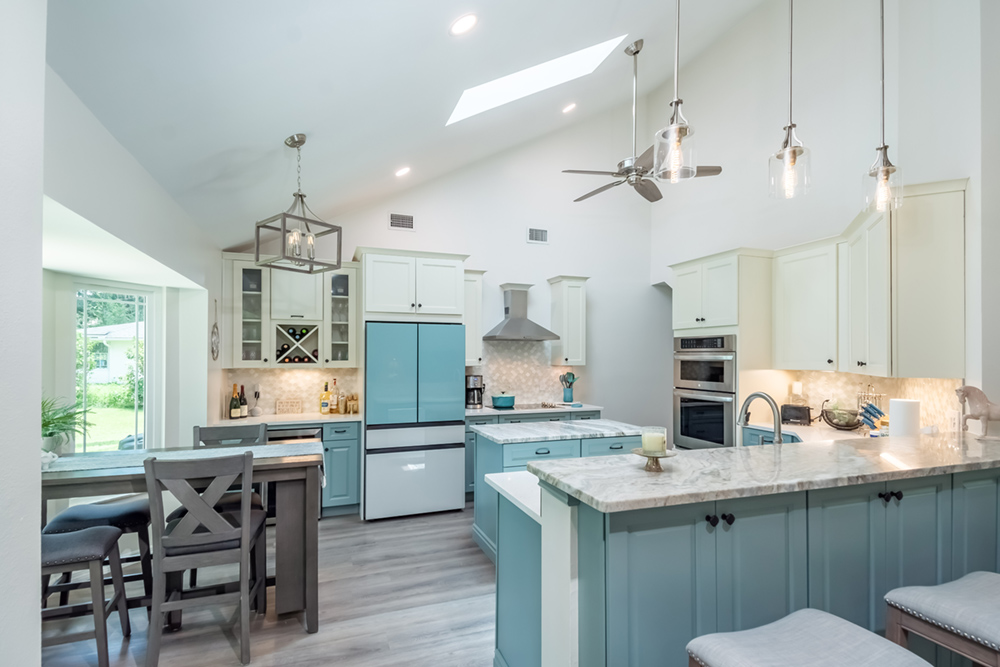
[[474, 392]]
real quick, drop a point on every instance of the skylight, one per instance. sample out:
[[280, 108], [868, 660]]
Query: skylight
[[532, 80]]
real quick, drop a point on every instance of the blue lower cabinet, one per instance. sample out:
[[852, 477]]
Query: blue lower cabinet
[[470, 462], [341, 463], [519, 454], [976, 525], [609, 446], [489, 459], [753, 435], [519, 589], [591, 414], [522, 418]]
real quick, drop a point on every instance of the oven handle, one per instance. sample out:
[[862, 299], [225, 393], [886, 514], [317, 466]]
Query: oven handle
[[711, 398], [698, 356]]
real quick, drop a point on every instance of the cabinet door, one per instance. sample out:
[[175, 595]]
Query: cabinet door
[[569, 321], [879, 313], [391, 373], [472, 317], [857, 302], [847, 553], [470, 462], [687, 297], [440, 286], [674, 605], [761, 556], [251, 315], [441, 377], [976, 524], [390, 284], [342, 472], [805, 310], [720, 292], [340, 319], [297, 296]]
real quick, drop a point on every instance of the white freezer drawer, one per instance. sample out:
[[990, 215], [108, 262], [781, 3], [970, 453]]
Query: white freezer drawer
[[414, 481]]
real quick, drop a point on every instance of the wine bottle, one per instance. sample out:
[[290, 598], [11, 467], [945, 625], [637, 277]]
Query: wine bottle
[[284, 348], [334, 403], [287, 360], [298, 336], [324, 399], [296, 359], [244, 408], [304, 331], [234, 405], [291, 331]]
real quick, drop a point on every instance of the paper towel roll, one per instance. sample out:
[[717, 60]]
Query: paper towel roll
[[904, 417]]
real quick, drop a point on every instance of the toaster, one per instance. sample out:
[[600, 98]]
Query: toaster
[[796, 414]]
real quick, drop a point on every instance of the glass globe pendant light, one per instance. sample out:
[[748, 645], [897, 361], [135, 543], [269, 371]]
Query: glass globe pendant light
[[788, 168], [673, 156], [884, 181]]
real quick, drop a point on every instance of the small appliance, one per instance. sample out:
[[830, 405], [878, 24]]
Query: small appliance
[[796, 414], [474, 392]]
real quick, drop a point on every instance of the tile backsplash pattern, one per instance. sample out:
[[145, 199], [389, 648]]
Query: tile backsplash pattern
[[936, 396], [304, 384], [521, 368]]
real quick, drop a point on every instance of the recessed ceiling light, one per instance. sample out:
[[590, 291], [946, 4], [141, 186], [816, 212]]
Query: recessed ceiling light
[[569, 107], [463, 24], [403, 172], [532, 80]]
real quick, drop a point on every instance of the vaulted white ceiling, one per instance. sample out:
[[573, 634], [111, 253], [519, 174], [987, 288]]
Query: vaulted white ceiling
[[204, 93]]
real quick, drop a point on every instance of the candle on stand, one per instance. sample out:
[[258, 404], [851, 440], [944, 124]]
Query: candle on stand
[[654, 440]]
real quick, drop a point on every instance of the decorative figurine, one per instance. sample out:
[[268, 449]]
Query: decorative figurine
[[980, 407]]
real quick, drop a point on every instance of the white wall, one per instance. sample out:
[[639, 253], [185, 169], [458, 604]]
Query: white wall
[[484, 211], [22, 52], [989, 252]]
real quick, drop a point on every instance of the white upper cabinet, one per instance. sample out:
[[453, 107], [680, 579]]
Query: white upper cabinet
[[340, 319], [390, 283], [706, 293], [805, 309], [569, 320], [687, 297], [472, 317], [868, 296], [296, 296], [440, 286], [251, 323]]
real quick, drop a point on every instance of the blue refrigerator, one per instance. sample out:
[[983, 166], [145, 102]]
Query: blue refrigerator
[[415, 418]]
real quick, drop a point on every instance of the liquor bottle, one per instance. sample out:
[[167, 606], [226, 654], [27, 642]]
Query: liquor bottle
[[234, 405], [342, 402], [324, 399], [334, 399], [244, 408]]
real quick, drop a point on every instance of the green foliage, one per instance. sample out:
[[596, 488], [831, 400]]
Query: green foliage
[[60, 419]]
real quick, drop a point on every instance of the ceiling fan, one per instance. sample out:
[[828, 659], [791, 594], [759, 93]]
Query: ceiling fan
[[636, 171]]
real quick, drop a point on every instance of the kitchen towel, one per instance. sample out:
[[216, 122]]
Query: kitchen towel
[[904, 417]]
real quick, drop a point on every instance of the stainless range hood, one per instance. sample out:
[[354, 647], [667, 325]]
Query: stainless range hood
[[516, 325]]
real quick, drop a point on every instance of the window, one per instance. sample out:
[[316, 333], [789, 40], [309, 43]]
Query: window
[[111, 368]]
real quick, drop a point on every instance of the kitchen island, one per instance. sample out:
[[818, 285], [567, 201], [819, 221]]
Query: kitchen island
[[730, 539]]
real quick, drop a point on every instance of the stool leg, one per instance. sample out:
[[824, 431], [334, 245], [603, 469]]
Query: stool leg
[[100, 621], [115, 563], [175, 583], [45, 590], [894, 631], [260, 558], [145, 560], [245, 609], [155, 631]]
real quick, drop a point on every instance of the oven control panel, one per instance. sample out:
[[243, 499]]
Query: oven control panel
[[705, 343]]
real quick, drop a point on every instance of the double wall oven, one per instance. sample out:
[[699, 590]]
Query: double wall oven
[[705, 392]]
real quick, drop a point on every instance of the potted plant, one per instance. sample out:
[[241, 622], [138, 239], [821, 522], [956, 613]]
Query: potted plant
[[59, 422]]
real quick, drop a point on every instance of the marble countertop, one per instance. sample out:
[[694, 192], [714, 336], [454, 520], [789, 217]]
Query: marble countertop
[[507, 434], [520, 488], [492, 412], [618, 483], [289, 419], [817, 431]]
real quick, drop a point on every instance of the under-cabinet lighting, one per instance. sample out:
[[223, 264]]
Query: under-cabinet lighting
[[532, 80]]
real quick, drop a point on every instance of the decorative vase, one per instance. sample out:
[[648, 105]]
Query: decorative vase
[[567, 394]]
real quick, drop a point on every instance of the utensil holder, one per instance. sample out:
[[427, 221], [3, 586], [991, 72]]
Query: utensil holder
[[567, 394]]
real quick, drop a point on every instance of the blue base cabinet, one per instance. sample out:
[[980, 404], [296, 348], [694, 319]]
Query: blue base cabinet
[[341, 463], [519, 589], [755, 435]]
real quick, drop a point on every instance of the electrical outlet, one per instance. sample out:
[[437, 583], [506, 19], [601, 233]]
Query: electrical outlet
[[954, 420]]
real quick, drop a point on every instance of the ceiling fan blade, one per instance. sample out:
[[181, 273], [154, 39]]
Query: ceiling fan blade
[[645, 161], [708, 171], [598, 190], [595, 173], [648, 189]]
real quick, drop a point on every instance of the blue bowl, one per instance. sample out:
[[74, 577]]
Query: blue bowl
[[503, 401]]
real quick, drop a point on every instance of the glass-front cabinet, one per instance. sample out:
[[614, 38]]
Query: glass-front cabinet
[[340, 318], [251, 316]]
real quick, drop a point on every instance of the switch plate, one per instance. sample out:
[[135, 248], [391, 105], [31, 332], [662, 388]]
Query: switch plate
[[954, 420]]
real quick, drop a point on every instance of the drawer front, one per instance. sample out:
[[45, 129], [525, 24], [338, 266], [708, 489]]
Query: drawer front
[[609, 446], [525, 419], [343, 431], [520, 453], [587, 415], [480, 421]]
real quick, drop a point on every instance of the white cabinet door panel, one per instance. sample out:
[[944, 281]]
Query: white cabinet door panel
[[390, 284], [687, 297], [575, 316], [805, 309], [440, 286], [879, 315], [296, 295], [720, 292], [473, 319]]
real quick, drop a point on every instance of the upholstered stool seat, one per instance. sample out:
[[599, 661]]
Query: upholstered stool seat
[[79, 547], [128, 514], [805, 637]]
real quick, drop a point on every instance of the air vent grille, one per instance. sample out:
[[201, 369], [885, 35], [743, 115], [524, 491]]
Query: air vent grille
[[536, 235], [401, 221]]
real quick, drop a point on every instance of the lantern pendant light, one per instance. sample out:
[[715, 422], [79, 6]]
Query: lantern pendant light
[[788, 169], [884, 181], [673, 157]]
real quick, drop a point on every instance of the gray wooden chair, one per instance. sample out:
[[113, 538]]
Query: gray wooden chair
[[805, 637], [962, 615], [204, 536], [85, 549]]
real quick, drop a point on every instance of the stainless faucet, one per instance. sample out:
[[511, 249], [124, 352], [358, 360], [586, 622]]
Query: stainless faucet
[[742, 420]]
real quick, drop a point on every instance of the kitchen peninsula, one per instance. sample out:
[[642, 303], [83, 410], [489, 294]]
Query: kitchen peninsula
[[733, 538]]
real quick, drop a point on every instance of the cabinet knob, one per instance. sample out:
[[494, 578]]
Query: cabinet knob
[[728, 518], [884, 496], [712, 520], [862, 363], [420, 305], [480, 358], [413, 305], [265, 359], [326, 361], [897, 494], [829, 361]]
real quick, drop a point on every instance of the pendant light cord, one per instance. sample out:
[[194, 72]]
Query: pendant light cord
[[790, 33], [635, 85], [882, 80], [677, 47]]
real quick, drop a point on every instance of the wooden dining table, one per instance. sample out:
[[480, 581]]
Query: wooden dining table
[[295, 469]]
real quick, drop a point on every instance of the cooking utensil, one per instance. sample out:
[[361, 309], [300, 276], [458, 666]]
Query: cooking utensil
[[503, 401]]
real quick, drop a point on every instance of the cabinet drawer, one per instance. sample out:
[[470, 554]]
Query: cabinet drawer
[[520, 453], [609, 446], [342, 431], [479, 421], [586, 415], [525, 419]]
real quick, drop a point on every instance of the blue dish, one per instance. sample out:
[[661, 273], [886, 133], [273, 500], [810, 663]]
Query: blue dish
[[503, 401]]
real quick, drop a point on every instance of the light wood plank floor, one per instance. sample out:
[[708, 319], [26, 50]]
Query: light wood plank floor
[[413, 591]]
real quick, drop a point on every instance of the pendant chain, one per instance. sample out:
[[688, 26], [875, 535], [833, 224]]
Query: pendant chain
[[299, 167]]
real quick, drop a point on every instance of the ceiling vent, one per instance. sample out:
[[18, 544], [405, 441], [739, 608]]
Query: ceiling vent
[[401, 221], [538, 235]]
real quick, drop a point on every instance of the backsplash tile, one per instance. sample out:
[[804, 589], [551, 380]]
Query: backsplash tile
[[304, 384], [521, 368]]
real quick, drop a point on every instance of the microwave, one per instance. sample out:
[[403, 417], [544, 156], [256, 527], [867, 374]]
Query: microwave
[[705, 363]]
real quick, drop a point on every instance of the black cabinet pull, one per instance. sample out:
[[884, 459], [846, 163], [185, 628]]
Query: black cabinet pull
[[712, 520], [480, 358], [555, 419], [829, 361], [265, 360], [897, 494], [616, 446], [542, 452], [342, 430], [413, 305], [728, 518], [326, 361], [566, 359], [884, 496]]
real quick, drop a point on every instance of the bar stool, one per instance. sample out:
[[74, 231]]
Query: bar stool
[[962, 616], [805, 637], [130, 514], [85, 550]]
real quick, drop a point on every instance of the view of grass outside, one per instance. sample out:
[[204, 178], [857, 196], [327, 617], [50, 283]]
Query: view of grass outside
[[109, 427]]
